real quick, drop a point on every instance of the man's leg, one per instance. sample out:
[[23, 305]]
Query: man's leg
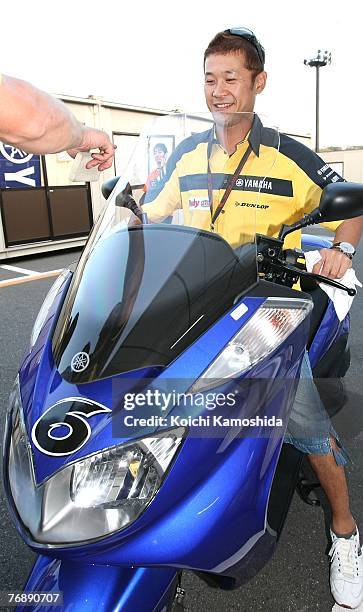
[[311, 431], [333, 481]]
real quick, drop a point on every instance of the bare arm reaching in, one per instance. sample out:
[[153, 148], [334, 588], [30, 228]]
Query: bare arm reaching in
[[36, 122]]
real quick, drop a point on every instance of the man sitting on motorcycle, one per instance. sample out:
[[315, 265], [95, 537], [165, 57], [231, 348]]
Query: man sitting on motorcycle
[[240, 145]]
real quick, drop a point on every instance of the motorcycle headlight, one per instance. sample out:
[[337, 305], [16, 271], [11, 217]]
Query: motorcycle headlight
[[271, 324], [124, 476], [93, 497]]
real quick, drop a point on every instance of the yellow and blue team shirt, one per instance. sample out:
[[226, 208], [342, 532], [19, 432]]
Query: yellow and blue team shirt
[[281, 181]]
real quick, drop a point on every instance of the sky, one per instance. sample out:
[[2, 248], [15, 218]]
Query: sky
[[149, 53]]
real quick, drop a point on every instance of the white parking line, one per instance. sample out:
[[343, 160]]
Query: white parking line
[[20, 270], [29, 278]]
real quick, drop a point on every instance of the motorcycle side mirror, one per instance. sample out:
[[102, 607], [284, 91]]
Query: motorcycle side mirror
[[108, 186], [338, 201], [341, 201]]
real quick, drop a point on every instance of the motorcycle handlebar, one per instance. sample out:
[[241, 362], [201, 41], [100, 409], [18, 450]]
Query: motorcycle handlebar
[[126, 200]]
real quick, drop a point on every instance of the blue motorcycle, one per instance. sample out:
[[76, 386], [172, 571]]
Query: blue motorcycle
[[115, 474]]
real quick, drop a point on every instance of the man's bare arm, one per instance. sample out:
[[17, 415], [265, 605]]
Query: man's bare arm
[[36, 122], [333, 263]]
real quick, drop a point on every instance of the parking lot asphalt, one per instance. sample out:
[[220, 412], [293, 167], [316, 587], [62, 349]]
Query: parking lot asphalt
[[296, 579]]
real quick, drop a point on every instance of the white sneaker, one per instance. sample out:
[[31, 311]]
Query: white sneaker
[[346, 570]]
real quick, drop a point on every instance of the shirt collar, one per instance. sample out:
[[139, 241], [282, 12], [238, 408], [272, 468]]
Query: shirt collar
[[254, 136]]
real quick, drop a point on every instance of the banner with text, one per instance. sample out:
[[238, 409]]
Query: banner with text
[[18, 169]]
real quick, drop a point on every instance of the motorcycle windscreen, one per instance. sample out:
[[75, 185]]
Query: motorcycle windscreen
[[146, 294], [142, 294]]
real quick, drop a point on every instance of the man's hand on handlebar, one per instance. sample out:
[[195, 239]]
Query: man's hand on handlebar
[[333, 263]]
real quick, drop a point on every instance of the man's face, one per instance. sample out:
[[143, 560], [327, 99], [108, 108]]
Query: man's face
[[159, 156], [229, 87]]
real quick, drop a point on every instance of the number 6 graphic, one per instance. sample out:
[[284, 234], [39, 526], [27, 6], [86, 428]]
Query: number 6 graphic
[[71, 415]]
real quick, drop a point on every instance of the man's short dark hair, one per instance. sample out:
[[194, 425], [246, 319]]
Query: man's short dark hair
[[161, 147], [224, 43]]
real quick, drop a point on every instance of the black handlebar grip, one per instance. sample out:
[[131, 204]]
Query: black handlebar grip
[[127, 201]]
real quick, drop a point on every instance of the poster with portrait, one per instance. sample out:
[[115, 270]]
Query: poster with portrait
[[160, 147]]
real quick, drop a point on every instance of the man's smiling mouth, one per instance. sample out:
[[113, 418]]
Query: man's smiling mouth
[[223, 105]]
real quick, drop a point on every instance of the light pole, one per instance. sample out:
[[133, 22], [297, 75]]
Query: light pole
[[323, 58]]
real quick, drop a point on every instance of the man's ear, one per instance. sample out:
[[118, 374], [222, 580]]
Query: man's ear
[[260, 82]]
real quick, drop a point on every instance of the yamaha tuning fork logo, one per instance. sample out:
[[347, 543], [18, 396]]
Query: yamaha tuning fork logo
[[14, 155], [18, 168], [80, 362]]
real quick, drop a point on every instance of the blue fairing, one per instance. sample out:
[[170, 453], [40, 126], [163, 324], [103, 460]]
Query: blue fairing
[[330, 329], [223, 484], [89, 588], [310, 242], [42, 386]]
